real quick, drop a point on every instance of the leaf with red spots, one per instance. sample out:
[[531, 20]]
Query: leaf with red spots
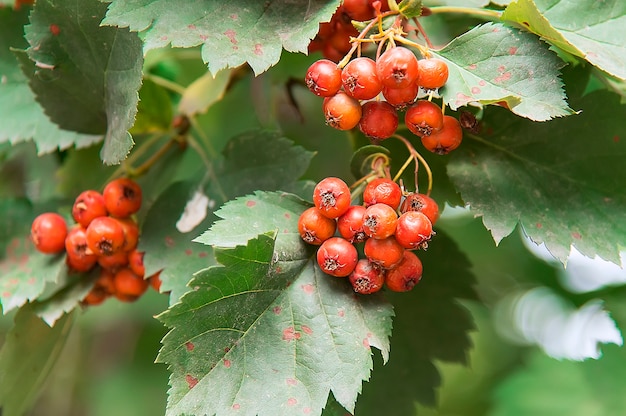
[[85, 76], [231, 33], [22, 116], [563, 181], [493, 63], [595, 31], [27, 356], [266, 322]]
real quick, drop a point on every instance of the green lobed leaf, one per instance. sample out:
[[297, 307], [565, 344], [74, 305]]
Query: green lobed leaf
[[26, 357], [231, 33], [85, 76], [21, 116], [493, 63], [553, 178], [595, 31], [268, 323], [410, 8], [430, 324]]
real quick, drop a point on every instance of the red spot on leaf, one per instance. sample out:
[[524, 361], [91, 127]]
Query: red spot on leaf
[[539, 225], [6, 294], [277, 310], [308, 288], [236, 406], [504, 77], [292, 401], [577, 236], [13, 281], [191, 381], [292, 381], [192, 27], [616, 138], [287, 215], [227, 363], [163, 38], [472, 66], [475, 90], [203, 254], [250, 204], [169, 241], [188, 252], [189, 345], [290, 333], [496, 29], [203, 37], [234, 16], [306, 410], [592, 54], [55, 29], [512, 50], [482, 83], [341, 312], [501, 68], [226, 349], [31, 281], [258, 49], [231, 35], [307, 330], [462, 99], [278, 269], [366, 343]]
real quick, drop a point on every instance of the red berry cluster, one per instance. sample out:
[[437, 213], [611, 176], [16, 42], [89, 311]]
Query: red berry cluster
[[333, 38], [105, 235], [391, 225]]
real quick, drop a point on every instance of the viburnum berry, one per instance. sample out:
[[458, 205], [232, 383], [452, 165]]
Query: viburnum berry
[[413, 230], [48, 232], [350, 224], [332, 197], [421, 203], [424, 118], [379, 120], [315, 228], [79, 257], [359, 79], [385, 253], [406, 274], [122, 197], [379, 221], [87, 206], [105, 236], [128, 285], [323, 78], [341, 111], [401, 98], [367, 278], [382, 191], [397, 68], [433, 73], [337, 257], [445, 140]]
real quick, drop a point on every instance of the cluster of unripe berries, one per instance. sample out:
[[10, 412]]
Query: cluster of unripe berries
[[105, 235], [351, 97], [389, 225]]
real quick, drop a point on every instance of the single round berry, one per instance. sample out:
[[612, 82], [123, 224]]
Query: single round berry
[[128, 285], [135, 262], [424, 118], [87, 206], [401, 98], [105, 236], [94, 297], [337, 257], [445, 140], [413, 230], [397, 68], [359, 10], [359, 79], [323, 78], [106, 281], [385, 253], [341, 111], [332, 197], [350, 224], [48, 232], [114, 261], [433, 73], [382, 191], [122, 197], [421, 203], [379, 221], [314, 228], [367, 278], [379, 120], [406, 274], [131, 233], [79, 257]]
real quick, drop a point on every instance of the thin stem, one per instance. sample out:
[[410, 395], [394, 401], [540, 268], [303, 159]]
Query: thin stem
[[401, 171], [126, 165], [356, 41], [145, 166], [209, 166], [166, 83], [421, 30], [415, 153], [204, 137], [489, 14]]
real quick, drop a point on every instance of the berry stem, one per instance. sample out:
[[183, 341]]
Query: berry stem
[[145, 166], [419, 157], [166, 83], [421, 30], [486, 13]]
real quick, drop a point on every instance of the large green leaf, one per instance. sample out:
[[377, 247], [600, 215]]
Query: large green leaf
[[595, 31], [85, 76], [21, 116], [493, 62], [231, 33], [26, 357], [562, 180], [268, 323]]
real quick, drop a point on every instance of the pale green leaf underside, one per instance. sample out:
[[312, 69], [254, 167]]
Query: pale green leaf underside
[[493, 62], [593, 30], [231, 33]]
